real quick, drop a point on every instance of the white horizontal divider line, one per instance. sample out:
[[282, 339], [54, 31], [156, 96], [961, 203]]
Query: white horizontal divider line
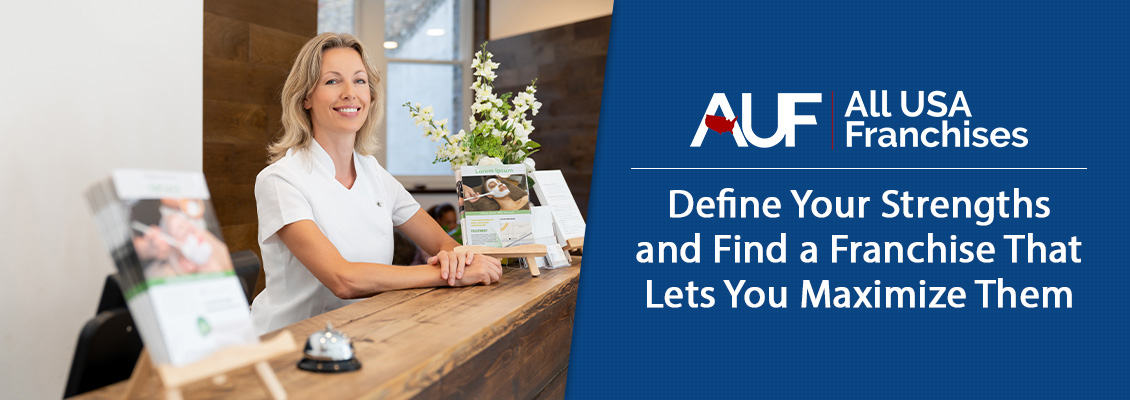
[[860, 168]]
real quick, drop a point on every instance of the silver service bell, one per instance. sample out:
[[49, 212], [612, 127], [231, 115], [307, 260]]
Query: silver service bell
[[329, 351]]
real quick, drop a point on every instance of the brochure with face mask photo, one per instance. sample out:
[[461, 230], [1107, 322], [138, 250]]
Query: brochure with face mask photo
[[174, 268], [494, 205]]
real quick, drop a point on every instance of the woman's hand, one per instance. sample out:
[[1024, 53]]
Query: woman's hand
[[451, 264], [484, 269]]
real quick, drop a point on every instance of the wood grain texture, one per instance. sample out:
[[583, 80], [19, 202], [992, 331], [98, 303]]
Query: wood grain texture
[[241, 82], [231, 200], [568, 62], [274, 47], [556, 388], [235, 122], [225, 38], [249, 46], [243, 237], [508, 340], [295, 16]]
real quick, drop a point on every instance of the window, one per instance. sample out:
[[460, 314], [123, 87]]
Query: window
[[424, 49], [335, 16]]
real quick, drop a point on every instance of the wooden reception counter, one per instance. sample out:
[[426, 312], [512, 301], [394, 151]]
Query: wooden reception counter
[[507, 340]]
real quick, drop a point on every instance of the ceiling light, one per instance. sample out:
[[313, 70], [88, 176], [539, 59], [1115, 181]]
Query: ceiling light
[[435, 32], [391, 45]]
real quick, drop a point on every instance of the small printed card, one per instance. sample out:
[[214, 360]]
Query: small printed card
[[553, 192]]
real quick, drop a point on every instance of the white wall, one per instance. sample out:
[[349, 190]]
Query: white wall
[[515, 17], [89, 86]]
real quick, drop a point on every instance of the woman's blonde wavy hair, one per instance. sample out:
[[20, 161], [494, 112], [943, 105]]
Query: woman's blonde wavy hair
[[304, 75]]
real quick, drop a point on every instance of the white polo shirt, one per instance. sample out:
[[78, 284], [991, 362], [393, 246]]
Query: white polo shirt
[[357, 221]]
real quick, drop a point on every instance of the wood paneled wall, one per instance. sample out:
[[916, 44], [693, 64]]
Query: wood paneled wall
[[568, 62], [249, 46]]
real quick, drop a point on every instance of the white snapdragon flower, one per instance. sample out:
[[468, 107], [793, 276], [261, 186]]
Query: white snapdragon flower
[[491, 117], [529, 162], [490, 161], [486, 67], [521, 134], [484, 93], [444, 152], [478, 108]]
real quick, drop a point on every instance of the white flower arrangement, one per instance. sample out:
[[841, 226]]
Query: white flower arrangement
[[499, 131]]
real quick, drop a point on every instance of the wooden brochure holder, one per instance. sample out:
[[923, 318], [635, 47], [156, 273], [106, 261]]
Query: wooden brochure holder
[[216, 366], [574, 244], [527, 251]]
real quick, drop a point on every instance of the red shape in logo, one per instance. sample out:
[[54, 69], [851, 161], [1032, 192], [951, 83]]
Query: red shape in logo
[[720, 124]]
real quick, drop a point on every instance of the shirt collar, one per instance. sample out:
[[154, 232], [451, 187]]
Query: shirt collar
[[320, 159]]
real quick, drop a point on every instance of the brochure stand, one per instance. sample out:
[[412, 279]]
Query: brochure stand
[[528, 251], [216, 366], [568, 223], [574, 244]]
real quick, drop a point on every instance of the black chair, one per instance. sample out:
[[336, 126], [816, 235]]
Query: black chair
[[107, 351], [246, 265], [112, 297]]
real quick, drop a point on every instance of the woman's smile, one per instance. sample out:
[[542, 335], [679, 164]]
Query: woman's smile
[[348, 111], [339, 103]]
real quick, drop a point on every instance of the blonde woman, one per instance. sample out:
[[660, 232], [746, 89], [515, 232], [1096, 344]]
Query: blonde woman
[[327, 208]]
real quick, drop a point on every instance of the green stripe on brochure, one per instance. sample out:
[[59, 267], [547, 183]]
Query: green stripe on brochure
[[142, 287], [512, 212]]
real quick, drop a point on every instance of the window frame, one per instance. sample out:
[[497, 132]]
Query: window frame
[[369, 23]]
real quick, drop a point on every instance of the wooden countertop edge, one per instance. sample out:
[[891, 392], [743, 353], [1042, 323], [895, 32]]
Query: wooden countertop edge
[[412, 381], [437, 366]]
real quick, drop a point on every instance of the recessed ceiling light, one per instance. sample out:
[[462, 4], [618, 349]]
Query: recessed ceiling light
[[435, 32], [391, 45]]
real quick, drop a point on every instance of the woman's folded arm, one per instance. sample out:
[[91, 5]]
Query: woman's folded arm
[[346, 279]]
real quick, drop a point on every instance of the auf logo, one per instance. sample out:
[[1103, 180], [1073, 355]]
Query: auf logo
[[787, 120], [720, 124]]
